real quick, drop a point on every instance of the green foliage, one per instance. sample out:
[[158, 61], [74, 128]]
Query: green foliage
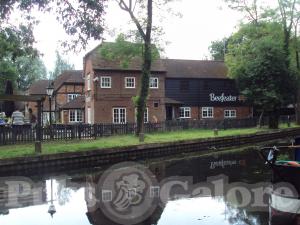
[[218, 49], [60, 65], [82, 19], [124, 51], [29, 70], [15, 43], [256, 60]]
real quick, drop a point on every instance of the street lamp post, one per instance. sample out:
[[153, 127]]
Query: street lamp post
[[51, 209], [49, 91]]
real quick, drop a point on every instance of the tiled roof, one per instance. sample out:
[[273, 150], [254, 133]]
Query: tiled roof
[[175, 68], [179, 68], [77, 103], [100, 63], [68, 76], [38, 87]]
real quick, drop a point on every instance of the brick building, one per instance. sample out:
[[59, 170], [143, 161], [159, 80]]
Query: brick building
[[179, 89], [110, 88], [67, 106]]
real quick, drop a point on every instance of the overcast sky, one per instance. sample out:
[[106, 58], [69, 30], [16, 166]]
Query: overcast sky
[[202, 22]]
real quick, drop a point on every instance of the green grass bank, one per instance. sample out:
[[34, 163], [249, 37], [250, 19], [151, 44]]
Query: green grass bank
[[54, 147]]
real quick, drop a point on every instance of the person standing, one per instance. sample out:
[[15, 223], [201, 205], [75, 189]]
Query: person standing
[[17, 118]]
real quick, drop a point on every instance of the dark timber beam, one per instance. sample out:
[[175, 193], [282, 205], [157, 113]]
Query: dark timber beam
[[22, 98]]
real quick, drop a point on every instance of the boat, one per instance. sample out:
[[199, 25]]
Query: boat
[[284, 206]]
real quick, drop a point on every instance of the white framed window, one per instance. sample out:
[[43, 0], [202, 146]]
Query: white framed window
[[207, 112], [129, 82], [230, 113], [105, 82], [153, 83], [88, 82], [72, 96], [119, 115], [185, 112], [75, 116], [146, 115]]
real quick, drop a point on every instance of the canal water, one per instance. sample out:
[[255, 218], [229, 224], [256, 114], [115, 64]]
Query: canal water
[[220, 188]]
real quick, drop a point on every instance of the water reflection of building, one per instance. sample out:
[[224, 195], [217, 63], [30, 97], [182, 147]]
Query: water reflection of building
[[98, 218], [238, 167], [20, 193]]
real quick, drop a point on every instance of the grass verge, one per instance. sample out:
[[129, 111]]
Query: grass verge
[[54, 147]]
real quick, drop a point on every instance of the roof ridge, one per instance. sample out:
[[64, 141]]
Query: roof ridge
[[196, 60]]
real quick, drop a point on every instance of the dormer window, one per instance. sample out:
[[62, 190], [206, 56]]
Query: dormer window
[[153, 83], [105, 82], [129, 82]]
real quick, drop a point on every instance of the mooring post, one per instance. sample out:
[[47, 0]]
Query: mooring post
[[141, 137], [216, 132]]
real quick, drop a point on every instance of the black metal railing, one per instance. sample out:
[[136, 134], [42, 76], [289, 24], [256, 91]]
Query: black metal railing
[[26, 133]]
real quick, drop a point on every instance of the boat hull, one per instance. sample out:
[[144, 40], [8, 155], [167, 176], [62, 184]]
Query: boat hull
[[284, 210]]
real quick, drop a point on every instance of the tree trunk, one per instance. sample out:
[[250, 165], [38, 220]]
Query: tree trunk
[[274, 119], [297, 108], [146, 70], [260, 118]]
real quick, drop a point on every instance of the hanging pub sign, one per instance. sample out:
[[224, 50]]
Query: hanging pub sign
[[225, 98]]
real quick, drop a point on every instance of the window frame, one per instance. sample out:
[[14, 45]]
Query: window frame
[[146, 115], [119, 115], [72, 98], [76, 114], [154, 104], [185, 110], [101, 81], [126, 78], [207, 111], [230, 115], [154, 78]]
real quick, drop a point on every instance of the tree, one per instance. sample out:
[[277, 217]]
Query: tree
[[287, 16], [83, 19], [60, 65], [8, 106], [249, 7], [29, 70], [256, 60], [15, 42], [218, 49]]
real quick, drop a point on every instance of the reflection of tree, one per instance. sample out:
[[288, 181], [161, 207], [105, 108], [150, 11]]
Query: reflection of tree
[[63, 192], [240, 216]]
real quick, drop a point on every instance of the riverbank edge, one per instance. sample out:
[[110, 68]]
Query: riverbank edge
[[99, 157]]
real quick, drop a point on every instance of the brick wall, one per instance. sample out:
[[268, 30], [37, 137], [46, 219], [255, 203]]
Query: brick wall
[[104, 110], [103, 100], [241, 112]]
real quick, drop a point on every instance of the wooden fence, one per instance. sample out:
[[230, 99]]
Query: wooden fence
[[25, 134]]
